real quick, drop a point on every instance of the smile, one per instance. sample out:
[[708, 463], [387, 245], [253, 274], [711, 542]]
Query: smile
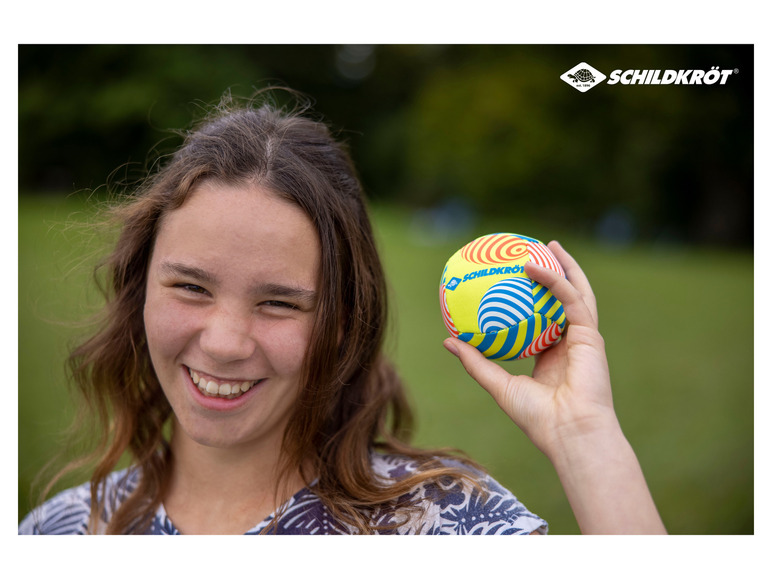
[[214, 388]]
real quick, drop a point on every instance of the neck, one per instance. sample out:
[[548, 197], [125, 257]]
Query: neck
[[225, 490]]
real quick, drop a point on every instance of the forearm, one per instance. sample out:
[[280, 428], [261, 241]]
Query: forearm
[[604, 484]]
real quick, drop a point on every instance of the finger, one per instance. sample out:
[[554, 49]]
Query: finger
[[577, 310], [576, 276]]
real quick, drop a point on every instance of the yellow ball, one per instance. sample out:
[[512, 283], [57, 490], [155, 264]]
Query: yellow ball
[[488, 301]]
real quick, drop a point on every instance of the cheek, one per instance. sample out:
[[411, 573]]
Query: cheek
[[167, 328], [286, 344]]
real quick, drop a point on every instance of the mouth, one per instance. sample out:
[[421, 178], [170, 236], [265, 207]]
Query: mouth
[[220, 388]]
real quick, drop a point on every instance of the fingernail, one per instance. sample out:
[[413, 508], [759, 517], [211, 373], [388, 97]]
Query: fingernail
[[451, 347]]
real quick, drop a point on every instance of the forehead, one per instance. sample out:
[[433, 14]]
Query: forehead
[[240, 229]]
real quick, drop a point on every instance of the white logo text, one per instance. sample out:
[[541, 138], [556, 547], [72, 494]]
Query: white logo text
[[711, 76]]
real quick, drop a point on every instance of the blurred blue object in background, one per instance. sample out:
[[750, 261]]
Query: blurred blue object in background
[[451, 219], [616, 227]]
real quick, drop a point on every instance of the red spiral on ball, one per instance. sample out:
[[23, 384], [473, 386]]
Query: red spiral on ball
[[495, 248], [446, 318]]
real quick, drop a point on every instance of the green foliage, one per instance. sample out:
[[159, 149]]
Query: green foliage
[[678, 326], [491, 124]]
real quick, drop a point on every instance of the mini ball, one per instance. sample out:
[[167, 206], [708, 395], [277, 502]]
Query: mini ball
[[488, 301]]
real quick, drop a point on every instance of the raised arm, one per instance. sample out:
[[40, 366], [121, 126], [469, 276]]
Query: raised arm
[[566, 410]]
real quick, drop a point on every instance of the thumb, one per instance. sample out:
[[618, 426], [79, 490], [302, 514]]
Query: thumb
[[513, 393], [486, 373]]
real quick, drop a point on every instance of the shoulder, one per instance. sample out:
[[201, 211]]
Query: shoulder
[[67, 513], [452, 506]]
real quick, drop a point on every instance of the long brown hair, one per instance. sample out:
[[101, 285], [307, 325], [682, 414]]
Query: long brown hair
[[352, 402]]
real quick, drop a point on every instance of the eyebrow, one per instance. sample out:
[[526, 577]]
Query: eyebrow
[[271, 289], [172, 268], [294, 293]]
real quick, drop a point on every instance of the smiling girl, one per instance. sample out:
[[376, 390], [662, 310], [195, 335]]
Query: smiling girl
[[247, 309]]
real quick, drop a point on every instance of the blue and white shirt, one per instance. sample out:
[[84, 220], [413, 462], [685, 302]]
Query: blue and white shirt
[[452, 510]]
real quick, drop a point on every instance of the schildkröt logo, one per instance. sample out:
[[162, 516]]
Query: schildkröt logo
[[713, 76], [583, 77], [453, 284]]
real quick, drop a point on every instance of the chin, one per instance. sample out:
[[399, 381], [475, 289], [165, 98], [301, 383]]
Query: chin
[[212, 437]]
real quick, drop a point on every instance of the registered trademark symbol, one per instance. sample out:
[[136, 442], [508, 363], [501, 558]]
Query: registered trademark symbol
[[737, 71]]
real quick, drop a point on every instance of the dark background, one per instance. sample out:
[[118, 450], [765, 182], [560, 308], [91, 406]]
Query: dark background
[[489, 125]]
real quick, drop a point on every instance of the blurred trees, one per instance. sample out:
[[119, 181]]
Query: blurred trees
[[491, 125]]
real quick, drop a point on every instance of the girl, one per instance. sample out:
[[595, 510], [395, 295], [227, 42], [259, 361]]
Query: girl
[[246, 307]]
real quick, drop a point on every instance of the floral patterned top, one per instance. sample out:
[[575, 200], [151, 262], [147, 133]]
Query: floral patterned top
[[449, 509]]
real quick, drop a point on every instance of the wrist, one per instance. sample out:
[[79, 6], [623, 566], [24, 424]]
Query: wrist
[[585, 438], [604, 483]]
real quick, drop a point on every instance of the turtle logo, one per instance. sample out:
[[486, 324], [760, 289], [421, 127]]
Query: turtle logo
[[583, 77], [453, 284]]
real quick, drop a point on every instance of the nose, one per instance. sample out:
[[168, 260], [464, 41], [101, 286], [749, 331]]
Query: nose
[[226, 336]]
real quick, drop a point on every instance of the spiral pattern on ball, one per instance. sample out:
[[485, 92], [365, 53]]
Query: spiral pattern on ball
[[488, 301], [544, 341], [447, 320], [541, 255], [505, 304], [495, 248]]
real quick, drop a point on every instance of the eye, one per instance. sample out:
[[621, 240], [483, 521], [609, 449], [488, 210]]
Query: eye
[[191, 287], [280, 304]]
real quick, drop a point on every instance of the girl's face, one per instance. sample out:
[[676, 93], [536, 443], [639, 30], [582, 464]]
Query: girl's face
[[231, 295]]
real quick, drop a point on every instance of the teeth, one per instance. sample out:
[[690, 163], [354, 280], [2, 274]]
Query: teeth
[[224, 390]]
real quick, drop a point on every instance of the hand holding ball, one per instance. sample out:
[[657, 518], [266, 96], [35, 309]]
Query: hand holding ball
[[488, 301]]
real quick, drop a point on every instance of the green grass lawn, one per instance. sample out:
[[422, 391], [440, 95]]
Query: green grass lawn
[[678, 325]]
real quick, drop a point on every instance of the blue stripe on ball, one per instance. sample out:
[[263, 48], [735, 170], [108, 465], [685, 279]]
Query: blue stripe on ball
[[509, 292], [523, 300], [495, 324], [507, 346], [539, 294], [548, 305], [517, 284], [499, 316], [487, 341], [528, 335], [531, 239], [505, 303]]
